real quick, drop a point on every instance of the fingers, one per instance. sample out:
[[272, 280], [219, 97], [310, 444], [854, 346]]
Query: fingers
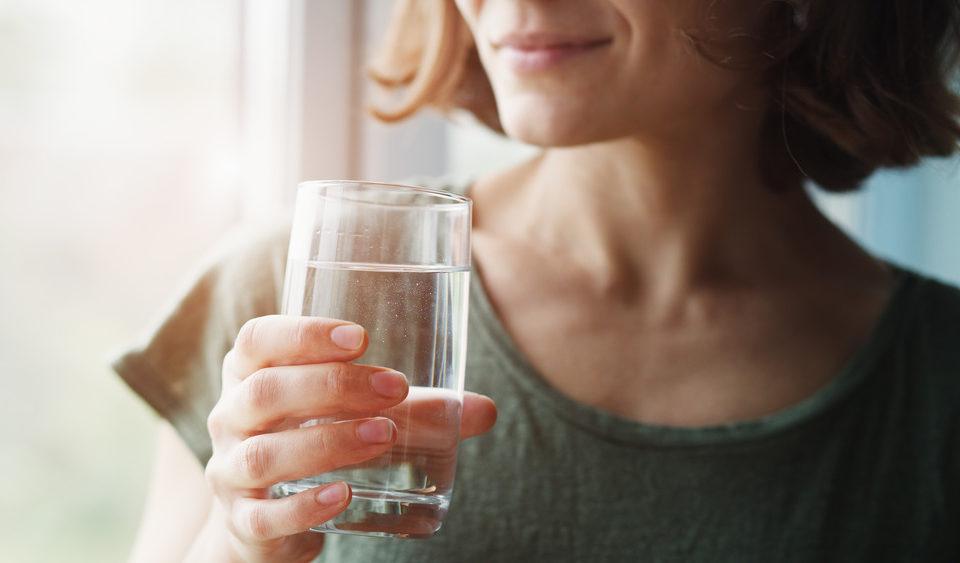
[[409, 525], [284, 340], [256, 520], [283, 370], [308, 391], [260, 461], [427, 419], [426, 408], [479, 415]]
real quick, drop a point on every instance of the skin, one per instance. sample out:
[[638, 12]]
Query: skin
[[281, 371], [640, 263], [645, 233]]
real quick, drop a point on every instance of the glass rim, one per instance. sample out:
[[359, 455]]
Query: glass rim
[[451, 200]]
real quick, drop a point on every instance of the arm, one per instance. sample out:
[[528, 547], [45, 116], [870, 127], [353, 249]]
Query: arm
[[177, 504], [280, 369]]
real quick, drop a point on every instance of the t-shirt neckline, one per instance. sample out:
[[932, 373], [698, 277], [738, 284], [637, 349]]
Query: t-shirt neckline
[[610, 426]]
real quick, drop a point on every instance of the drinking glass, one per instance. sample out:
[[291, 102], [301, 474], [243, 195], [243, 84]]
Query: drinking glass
[[395, 260]]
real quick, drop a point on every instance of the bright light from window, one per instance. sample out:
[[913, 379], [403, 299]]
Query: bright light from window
[[118, 169]]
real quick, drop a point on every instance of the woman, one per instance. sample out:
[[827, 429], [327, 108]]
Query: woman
[[689, 361]]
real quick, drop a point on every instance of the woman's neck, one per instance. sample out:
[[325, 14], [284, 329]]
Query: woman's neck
[[661, 218]]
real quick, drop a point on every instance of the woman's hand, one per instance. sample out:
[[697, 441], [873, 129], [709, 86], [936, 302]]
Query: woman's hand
[[281, 372]]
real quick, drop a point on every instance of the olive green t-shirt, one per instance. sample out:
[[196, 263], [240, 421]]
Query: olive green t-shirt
[[867, 469]]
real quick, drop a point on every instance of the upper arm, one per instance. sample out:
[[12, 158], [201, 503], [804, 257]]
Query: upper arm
[[177, 503]]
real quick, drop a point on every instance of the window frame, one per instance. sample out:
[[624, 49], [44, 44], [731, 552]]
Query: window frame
[[303, 97]]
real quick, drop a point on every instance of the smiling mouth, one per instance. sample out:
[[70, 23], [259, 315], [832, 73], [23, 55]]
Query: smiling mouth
[[537, 52]]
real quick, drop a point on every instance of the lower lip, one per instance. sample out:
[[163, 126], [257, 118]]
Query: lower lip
[[532, 60]]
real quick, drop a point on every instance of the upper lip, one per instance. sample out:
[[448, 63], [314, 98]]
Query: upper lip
[[532, 41]]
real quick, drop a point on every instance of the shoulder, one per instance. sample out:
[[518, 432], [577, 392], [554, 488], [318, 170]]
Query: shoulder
[[458, 184], [239, 278], [250, 260], [931, 339], [937, 317], [175, 367], [247, 267], [942, 300], [935, 345]]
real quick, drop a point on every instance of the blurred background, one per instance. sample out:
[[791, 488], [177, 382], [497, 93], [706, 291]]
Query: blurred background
[[133, 134]]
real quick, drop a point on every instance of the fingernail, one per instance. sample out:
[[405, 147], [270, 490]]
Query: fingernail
[[390, 384], [376, 431], [348, 337], [332, 494]]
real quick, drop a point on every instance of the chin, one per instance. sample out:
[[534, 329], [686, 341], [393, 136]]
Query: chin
[[546, 121], [543, 124]]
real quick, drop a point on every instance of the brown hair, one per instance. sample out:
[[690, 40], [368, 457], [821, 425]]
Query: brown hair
[[857, 85]]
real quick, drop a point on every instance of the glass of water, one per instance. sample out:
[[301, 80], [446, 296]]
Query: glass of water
[[395, 260]]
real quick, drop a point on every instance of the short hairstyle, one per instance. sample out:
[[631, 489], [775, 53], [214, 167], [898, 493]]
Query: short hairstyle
[[856, 85]]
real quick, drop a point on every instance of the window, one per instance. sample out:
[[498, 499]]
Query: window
[[907, 216], [118, 168]]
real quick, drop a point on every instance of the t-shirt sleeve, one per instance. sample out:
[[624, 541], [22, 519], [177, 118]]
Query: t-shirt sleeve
[[176, 368]]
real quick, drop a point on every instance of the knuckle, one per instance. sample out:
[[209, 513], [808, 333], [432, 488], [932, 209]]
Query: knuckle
[[217, 479], [334, 381], [249, 336], [215, 422], [254, 458], [212, 473], [262, 390], [323, 442], [309, 332], [253, 521], [229, 364]]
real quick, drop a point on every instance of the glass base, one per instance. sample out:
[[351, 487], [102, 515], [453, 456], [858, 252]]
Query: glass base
[[378, 513]]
